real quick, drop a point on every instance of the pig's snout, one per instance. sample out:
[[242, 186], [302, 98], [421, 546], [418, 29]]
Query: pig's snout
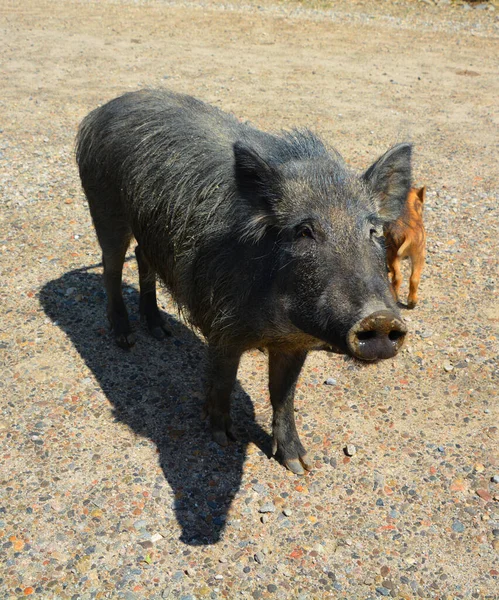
[[379, 335]]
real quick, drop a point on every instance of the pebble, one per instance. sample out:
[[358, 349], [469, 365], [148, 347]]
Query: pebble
[[448, 366], [383, 591], [457, 526], [287, 512], [495, 479], [259, 558], [268, 507], [330, 381], [260, 488], [350, 450]]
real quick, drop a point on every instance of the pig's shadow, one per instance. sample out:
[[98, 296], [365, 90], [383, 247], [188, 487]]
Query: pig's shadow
[[157, 390]]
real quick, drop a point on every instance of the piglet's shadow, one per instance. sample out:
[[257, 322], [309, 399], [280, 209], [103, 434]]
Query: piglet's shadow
[[157, 389]]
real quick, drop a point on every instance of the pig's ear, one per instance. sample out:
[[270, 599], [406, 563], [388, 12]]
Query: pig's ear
[[256, 180], [258, 185], [390, 178]]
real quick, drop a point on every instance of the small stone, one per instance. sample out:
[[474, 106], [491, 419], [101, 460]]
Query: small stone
[[219, 577], [139, 524], [495, 545], [495, 479], [479, 468], [272, 588], [264, 519], [350, 450], [458, 485], [484, 495], [458, 527], [448, 366], [495, 533], [260, 488], [155, 537], [268, 507], [259, 558], [330, 381], [382, 591], [287, 512], [190, 572]]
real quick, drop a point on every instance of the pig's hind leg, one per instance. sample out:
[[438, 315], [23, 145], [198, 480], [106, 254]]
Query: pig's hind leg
[[222, 374], [114, 235], [284, 369], [148, 304]]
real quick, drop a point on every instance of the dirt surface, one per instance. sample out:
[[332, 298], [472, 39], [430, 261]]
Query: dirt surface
[[110, 485]]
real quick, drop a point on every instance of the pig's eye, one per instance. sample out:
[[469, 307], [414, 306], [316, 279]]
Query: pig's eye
[[304, 231], [376, 232]]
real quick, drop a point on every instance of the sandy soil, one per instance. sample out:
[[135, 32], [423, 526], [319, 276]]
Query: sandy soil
[[110, 485]]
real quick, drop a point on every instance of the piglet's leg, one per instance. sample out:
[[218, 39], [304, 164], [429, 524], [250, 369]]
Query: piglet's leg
[[417, 267]]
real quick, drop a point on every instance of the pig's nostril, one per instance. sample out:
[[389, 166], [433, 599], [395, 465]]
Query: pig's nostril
[[395, 335], [362, 336]]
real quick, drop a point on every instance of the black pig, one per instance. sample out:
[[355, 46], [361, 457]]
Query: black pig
[[263, 240]]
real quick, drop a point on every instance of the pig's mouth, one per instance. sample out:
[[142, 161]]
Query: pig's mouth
[[377, 336]]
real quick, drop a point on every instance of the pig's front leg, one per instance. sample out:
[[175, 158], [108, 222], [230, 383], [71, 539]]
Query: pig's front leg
[[284, 369]]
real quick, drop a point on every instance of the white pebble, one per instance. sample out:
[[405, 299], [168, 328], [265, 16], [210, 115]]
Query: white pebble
[[350, 449]]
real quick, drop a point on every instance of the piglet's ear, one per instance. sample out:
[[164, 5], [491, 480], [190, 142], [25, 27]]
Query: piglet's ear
[[422, 194], [256, 180], [390, 179]]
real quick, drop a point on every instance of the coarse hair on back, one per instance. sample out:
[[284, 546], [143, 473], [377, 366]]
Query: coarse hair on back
[[164, 163]]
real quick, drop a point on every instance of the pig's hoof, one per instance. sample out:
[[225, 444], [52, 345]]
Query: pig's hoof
[[160, 332], [125, 340], [411, 304], [155, 324], [299, 465], [222, 438]]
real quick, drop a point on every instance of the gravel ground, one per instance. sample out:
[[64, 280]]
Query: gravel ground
[[110, 485]]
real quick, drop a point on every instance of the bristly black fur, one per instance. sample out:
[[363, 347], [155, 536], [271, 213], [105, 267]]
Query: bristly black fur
[[167, 161], [263, 240]]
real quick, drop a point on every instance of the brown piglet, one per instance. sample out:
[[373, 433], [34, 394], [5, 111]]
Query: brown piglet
[[406, 238]]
